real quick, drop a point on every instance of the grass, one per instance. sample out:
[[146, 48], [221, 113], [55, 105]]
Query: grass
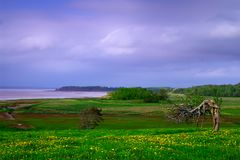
[[231, 102], [76, 105], [121, 144], [130, 130], [118, 114]]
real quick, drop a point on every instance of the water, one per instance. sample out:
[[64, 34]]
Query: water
[[11, 94]]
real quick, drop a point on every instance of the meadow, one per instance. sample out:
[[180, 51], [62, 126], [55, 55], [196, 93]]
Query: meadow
[[131, 129], [121, 144]]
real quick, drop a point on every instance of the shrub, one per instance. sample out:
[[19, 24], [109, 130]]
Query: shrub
[[130, 93], [191, 100], [218, 100], [153, 98], [162, 94], [139, 93], [90, 118]]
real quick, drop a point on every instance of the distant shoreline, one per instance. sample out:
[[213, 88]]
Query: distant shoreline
[[17, 94], [86, 88]]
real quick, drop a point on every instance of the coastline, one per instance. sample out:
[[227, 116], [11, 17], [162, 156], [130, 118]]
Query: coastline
[[16, 94]]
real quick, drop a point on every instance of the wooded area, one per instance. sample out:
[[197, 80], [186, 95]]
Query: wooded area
[[212, 90]]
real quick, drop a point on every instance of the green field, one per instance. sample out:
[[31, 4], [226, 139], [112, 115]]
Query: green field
[[121, 144], [130, 130]]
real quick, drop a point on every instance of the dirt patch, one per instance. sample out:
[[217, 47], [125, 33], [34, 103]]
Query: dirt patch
[[2, 115], [7, 116], [230, 119], [230, 107]]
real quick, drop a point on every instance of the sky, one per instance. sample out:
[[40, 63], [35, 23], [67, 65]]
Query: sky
[[119, 43]]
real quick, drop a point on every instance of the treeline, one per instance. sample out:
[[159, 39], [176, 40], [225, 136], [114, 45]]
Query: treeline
[[139, 94], [212, 90], [86, 88]]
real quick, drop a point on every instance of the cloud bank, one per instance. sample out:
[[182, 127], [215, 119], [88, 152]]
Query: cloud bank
[[119, 43]]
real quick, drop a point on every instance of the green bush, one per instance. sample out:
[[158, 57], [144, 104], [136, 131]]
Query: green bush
[[163, 94], [218, 100], [130, 93], [192, 101], [152, 98], [147, 96]]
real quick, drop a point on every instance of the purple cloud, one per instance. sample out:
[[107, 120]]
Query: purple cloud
[[118, 43]]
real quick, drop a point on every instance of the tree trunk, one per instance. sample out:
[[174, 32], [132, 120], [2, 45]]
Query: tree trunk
[[216, 120]]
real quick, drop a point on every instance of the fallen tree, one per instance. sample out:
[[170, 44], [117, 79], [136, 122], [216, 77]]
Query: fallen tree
[[182, 113]]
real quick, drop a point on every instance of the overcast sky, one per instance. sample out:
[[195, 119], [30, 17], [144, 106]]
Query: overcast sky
[[175, 43]]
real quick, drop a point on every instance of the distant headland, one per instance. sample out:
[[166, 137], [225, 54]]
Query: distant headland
[[86, 88]]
